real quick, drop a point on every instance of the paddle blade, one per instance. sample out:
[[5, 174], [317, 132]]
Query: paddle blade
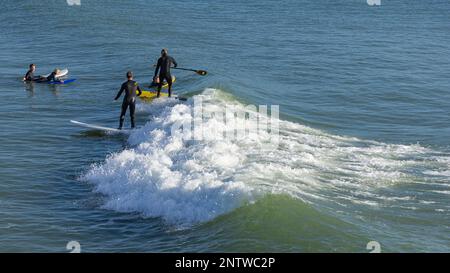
[[201, 72]]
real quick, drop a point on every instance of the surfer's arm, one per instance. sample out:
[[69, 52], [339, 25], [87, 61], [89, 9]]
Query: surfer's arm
[[27, 77], [158, 65], [122, 88], [139, 90], [174, 62]]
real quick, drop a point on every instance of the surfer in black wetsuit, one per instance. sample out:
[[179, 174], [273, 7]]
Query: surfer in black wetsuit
[[129, 99], [52, 77], [29, 77], [163, 66]]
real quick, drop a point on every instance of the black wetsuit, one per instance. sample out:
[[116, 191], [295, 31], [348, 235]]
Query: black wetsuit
[[30, 76], [52, 77], [163, 65], [130, 88]]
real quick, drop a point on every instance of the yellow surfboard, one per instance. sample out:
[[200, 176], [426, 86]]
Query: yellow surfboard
[[151, 94]]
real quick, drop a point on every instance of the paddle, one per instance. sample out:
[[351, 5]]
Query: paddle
[[174, 97], [200, 72]]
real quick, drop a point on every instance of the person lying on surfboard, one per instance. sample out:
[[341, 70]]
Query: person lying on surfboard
[[53, 76], [29, 77], [129, 99], [163, 66]]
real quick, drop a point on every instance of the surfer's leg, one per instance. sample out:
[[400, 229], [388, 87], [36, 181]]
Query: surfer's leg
[[169, 82], [161, 82], [122, 114], [132, 109]]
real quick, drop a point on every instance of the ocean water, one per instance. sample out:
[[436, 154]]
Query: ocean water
[[364, 146]]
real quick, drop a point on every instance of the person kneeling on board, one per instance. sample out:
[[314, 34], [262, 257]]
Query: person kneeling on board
[[129, 99], [155, 82], [163, 66]]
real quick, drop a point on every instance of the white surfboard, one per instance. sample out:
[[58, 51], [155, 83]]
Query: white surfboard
[[101, 128], [62, 73]]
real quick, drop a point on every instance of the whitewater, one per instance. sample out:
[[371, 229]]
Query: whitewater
[[187, 182]]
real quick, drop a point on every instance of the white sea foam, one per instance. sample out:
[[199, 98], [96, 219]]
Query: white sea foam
[[443, 192], [438, 173], [189, 181]]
